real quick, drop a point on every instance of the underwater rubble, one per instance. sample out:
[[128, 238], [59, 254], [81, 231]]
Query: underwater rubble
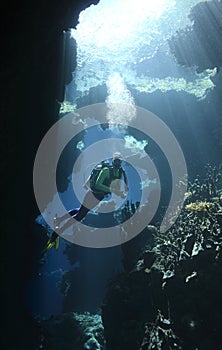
[[171, 299], [71, 331]]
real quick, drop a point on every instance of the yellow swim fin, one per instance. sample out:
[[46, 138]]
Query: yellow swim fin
[[52, 242], [57, 243]]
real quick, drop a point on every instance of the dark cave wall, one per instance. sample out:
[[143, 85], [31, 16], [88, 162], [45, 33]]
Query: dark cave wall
[[31, 85]]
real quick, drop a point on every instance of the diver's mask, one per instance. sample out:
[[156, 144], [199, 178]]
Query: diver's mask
[[117, 162]]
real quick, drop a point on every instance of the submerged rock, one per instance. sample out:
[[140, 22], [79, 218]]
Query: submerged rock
[[205, 33], [71, 331], [171, 298]]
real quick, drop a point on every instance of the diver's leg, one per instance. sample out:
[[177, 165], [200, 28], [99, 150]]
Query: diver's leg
[[59, 219], [89, 202]]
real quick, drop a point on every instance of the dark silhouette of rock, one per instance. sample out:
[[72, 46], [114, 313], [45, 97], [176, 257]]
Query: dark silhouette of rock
[[31, 42], [200, 44]]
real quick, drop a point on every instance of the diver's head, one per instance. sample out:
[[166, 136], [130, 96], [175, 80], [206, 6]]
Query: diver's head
[[117, 160]]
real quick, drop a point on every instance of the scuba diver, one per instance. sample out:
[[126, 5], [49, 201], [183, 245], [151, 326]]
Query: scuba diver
[[104, 180]]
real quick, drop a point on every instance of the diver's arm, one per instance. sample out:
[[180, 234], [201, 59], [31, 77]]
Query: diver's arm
[[103, 175]]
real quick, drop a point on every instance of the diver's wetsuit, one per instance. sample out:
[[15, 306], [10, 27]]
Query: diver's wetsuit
[[101, 190], [93, 197]]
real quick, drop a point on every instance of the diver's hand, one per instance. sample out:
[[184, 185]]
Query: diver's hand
[[121, 194]]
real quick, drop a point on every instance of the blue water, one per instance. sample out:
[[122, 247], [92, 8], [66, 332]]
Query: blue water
[[42, 297], [191, 115]]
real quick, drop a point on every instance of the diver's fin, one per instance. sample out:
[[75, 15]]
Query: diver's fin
[[57, 243], [48, 246], [52, 242]]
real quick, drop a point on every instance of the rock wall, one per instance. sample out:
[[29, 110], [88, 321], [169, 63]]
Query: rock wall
[[171, 297], [31, 43], [200, 44]]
